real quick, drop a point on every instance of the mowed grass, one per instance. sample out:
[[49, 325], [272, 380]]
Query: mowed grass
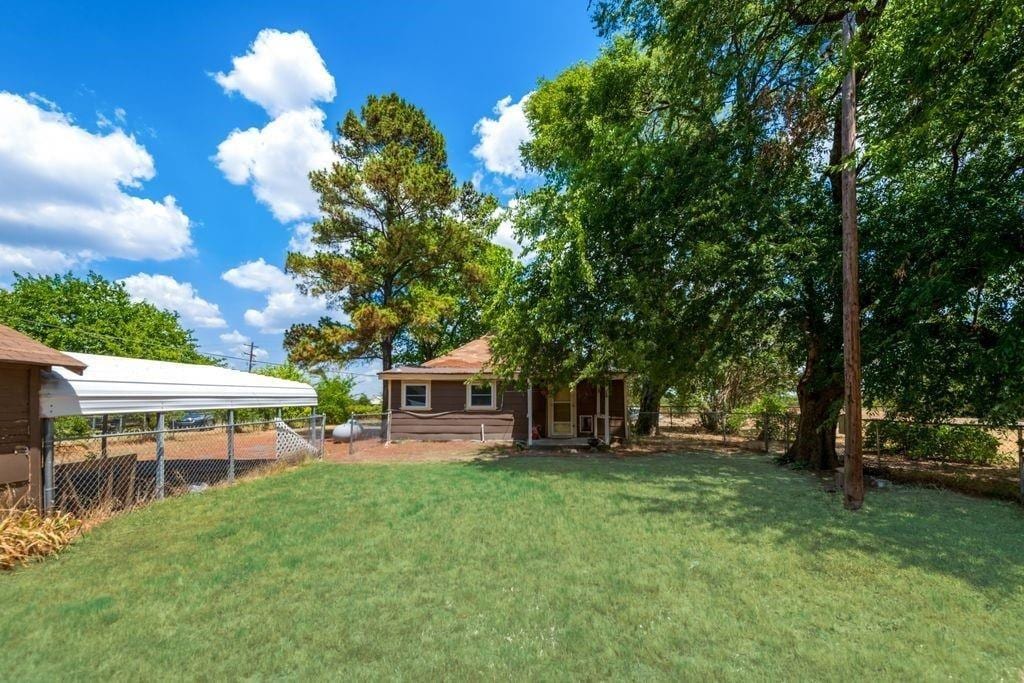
[[687, 566]]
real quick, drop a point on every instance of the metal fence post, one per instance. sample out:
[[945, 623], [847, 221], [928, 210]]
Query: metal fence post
[[160, 434], [388, 415], [351, 435], [47, 464], [231, 445], [312, 426]]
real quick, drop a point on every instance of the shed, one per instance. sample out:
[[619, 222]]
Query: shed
[[22, 361]]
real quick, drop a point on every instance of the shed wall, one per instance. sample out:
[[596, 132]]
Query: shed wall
[[19, 430]]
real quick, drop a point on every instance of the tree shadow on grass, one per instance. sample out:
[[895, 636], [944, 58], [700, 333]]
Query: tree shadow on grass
[[746, 496]]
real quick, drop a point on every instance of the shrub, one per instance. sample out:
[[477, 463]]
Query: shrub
[[75, 427], [25, 534], [946, 443]]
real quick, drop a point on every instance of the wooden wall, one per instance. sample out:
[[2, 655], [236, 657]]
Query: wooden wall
[[448, 419], [20, 439]]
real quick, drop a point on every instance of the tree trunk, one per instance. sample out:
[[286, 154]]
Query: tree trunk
[[650, 405], [819, 391], [386, 352]]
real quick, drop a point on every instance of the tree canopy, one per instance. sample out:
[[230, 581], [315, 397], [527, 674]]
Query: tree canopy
[[94, 315], [691, 205]]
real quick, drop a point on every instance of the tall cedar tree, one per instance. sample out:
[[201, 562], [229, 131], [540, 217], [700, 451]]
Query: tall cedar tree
[[398, 246]]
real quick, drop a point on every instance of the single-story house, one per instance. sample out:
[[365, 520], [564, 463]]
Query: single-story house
[[457, 397]]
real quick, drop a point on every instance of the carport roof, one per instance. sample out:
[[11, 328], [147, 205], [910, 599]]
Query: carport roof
[[114, 385]]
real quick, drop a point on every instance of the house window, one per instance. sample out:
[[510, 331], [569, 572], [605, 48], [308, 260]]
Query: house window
[[416, 396], [480, 396]]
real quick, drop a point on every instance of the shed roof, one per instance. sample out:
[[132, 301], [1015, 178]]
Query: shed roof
[[16, 347], [114, 385]]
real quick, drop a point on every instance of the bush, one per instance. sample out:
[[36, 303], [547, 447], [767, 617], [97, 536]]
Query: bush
[[334, 395], [945, 443], [75, 427]]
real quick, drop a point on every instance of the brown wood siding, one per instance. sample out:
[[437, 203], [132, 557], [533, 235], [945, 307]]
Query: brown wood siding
[[19, 409], [452, 426], [448, 419]]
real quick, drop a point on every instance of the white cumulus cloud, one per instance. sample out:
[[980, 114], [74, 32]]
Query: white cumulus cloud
[[505, 234], [65, 193], [234, 337], [277, 159], [163, 291], [259, 276], [285, 305], [302, 239], [281, 72], [501, 137], [284, 309]]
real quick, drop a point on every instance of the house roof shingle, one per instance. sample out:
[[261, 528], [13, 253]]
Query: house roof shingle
[[15, 347], [468, 359], [474, 356]]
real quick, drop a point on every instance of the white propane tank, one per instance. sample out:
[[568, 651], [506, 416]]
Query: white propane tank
[[346, 431]]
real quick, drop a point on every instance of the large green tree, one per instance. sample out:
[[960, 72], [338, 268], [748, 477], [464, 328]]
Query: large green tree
[[94, 315], [403, 252], [701, 150]]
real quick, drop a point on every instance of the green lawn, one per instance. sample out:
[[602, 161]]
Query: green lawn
[[685, 566]]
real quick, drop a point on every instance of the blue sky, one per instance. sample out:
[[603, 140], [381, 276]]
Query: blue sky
[[114, 132]]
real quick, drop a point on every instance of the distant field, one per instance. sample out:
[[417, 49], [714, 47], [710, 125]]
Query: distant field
[[688, 566]]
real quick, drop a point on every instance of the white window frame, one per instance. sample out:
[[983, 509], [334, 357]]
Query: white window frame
[[494, 395], [579, 427], [415, 383]]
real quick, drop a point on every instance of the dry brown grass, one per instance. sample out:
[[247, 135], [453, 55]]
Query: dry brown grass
[[25, 534]]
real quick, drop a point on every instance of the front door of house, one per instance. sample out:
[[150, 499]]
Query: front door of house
[[561, 410]]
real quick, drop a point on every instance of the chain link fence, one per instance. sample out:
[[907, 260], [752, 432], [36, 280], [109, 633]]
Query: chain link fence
[[115, 471], [364, 431], [967, 455], [758, 431]]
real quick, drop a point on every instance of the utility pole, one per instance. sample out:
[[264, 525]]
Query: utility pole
[[252, 350], [853, 466]]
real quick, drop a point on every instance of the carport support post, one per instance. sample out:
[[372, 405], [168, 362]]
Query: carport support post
[[231, 445], [47, 464], [160, 433], [312, 426]]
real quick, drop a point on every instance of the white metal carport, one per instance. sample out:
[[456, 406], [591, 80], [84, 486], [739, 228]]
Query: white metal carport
[[113, 385]]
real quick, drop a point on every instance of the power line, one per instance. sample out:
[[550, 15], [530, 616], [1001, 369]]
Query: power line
[[154, 345]]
